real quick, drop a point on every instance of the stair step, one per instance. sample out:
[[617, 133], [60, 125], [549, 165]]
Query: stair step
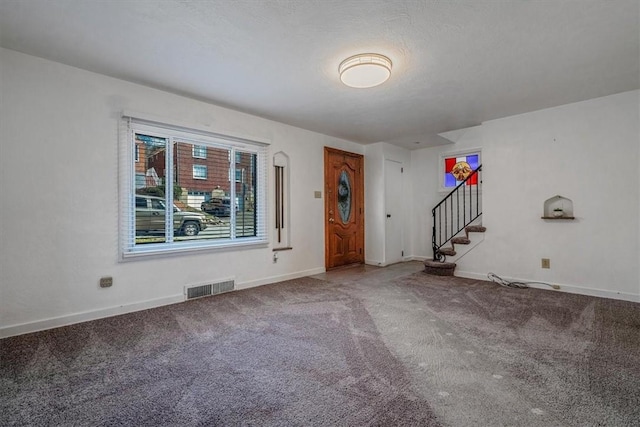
[[438, 268], [447, 251], [474, 229], [460, 240]]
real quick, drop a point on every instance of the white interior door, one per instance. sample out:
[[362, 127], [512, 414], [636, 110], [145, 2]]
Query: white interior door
[[394, 225]]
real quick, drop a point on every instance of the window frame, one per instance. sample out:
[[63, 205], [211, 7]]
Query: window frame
[[202, 168], [196, 151], [442, 166], [132, 125]]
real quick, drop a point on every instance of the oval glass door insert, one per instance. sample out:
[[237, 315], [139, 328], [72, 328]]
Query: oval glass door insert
[[344, 197]]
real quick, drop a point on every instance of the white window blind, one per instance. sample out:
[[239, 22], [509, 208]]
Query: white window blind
[[173, 200]]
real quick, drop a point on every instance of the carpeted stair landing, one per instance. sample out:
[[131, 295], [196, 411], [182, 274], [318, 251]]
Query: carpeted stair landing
[[440, 268]]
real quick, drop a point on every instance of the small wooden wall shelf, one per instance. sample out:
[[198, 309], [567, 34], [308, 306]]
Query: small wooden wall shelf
[[558, 217]]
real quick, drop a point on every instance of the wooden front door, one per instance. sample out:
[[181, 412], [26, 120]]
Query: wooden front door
[[344, 208]]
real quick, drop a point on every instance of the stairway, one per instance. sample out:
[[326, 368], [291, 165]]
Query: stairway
[[443, 268], [456, 213]]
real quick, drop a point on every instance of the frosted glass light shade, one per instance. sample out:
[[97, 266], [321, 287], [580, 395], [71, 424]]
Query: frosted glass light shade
[[365, 70]]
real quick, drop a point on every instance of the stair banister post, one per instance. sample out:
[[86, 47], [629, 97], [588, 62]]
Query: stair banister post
[[433, 233]]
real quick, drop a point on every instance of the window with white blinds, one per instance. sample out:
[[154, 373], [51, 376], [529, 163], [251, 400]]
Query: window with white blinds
[[185, 189]]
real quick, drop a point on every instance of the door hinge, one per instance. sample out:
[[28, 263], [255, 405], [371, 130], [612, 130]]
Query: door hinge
[[402, 254], [401, 170]]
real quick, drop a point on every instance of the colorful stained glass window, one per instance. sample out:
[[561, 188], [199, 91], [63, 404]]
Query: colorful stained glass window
[[457, 169]]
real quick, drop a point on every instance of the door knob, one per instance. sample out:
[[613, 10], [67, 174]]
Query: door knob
[[388, 216]]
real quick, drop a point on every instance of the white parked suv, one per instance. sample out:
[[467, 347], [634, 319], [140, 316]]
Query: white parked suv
[[150, 214]]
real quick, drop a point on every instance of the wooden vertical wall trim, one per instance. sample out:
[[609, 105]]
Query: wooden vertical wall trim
[[282, 219], [327, 196], [278, 201]]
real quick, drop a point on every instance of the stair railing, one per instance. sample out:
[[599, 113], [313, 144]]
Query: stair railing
[[457, 210]]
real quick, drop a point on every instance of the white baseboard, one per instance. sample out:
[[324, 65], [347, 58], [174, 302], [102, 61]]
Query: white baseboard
[[377, 263], [70, 319], [56, 322], [281, 278], [381, 263], [572, 289]]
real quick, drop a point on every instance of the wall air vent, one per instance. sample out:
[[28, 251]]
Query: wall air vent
[[199, 291]]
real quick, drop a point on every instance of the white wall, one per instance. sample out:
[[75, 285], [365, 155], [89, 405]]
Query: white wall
[[374, 204], [585, 151], [375, 211], [59, 198]]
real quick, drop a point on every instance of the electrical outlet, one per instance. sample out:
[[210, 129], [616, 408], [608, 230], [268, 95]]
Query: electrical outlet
[[106, 282], [546, 263]]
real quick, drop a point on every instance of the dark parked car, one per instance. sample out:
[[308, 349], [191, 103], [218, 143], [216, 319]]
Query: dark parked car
[[218, 206]]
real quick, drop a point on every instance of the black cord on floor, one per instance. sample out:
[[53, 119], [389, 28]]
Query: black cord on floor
[[516, 285]]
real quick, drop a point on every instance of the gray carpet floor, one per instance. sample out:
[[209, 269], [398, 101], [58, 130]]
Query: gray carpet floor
[[362, 346]]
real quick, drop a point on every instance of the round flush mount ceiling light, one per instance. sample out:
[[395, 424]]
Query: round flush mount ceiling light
[[365, 70]]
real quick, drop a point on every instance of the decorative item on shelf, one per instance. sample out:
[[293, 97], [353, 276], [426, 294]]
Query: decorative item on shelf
[[558, 212]]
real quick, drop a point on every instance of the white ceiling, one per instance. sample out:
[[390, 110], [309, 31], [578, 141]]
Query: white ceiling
[[455, 63]]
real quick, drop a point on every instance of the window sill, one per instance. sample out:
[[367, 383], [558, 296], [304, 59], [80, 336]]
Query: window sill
[[156, 251]]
